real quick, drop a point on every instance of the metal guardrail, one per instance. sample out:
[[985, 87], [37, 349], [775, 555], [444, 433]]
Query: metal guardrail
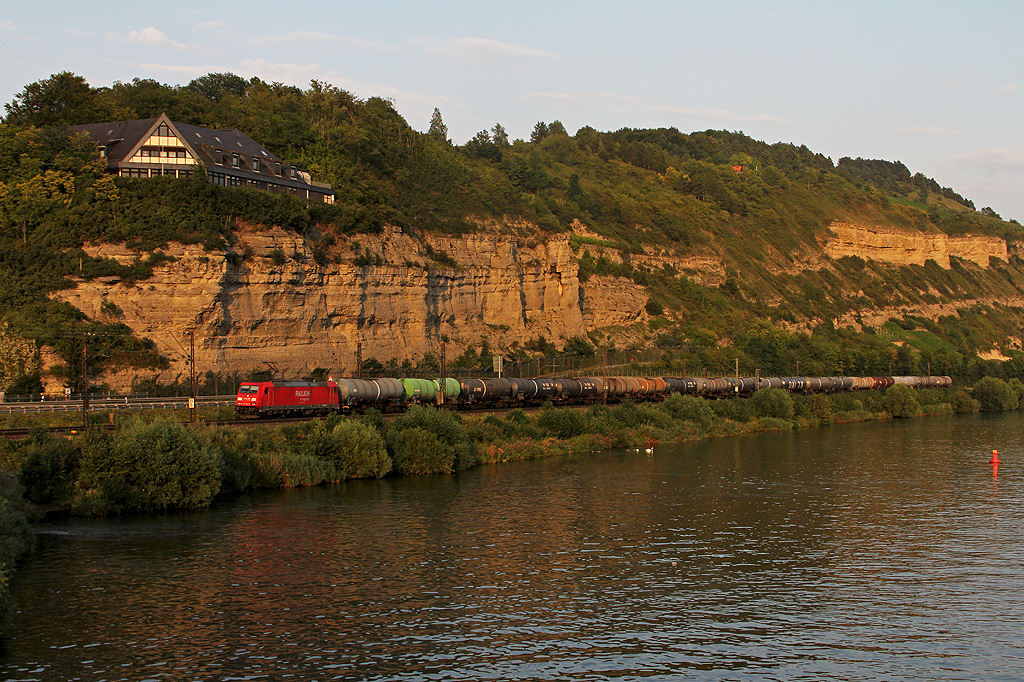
[[114, 404]]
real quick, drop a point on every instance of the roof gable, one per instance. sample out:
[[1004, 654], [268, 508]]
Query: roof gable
[[156, 122]]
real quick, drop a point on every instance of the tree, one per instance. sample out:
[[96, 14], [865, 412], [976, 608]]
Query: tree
[[573, 190], [577, 345], [772, 402], [438, 130], [540, 131], [995, 395], [499, 136], [213, 86], [62, 99], [901, 402], [556, 128], [27, 201], [483, 147]]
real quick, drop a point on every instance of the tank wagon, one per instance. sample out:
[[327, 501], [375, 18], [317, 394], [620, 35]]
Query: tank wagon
[[283, 398]]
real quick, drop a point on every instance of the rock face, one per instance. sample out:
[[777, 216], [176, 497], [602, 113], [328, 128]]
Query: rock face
[[906, 248], [267, 301]]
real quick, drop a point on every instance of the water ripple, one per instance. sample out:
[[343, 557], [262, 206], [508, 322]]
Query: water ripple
[[870, 552]]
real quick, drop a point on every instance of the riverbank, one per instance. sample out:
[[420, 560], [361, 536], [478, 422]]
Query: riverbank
[[152, 465]]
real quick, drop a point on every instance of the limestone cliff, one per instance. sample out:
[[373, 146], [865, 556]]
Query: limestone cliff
[[908, 248], [267, 300]]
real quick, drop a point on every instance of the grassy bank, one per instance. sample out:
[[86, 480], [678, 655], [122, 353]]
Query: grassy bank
[[152, 463]]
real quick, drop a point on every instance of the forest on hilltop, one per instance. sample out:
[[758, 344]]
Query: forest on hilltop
[[757, 207]]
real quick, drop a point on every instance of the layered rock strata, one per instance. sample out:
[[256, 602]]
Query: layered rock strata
[[267, 303], [907, 248]]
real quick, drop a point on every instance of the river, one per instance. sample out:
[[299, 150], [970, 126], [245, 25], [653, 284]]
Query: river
[[875, 551]]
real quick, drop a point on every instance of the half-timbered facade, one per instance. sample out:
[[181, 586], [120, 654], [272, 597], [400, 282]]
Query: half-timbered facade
[[158, 146]]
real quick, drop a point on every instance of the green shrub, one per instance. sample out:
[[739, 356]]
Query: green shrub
[[561, 422], [150, 467], [445, 425], [49, 469], [683, 408], [631, 415], [418, 451], [994, 395], [16, 538], [772, 402], [1017, 386], [963, 403], [773, 424], [291, 469], [354, 449], [816, 409], [900, 402], [736, 409]]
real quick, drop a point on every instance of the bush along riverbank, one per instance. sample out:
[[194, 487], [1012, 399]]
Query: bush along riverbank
[[155, 464]]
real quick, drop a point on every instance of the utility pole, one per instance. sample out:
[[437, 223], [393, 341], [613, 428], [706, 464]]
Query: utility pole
[[192, 374], [444, 377], [85, 386], [359, 359]]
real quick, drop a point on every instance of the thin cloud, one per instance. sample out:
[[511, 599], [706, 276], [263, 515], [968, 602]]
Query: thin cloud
[[307, 37], [1010, 89], [285, 72], [6, 25], [301, 74], [723, 114], [483, 51], [205, 27], [151, 36], [181, 71], [930, 131], [994, 160], [604, 101]]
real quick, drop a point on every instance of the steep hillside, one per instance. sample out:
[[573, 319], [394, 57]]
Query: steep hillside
[[710, 244]]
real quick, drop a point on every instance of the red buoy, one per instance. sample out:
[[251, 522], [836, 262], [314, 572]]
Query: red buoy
[[995, 457]]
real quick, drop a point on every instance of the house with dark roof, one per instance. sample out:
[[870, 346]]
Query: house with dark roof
[[159, 146]]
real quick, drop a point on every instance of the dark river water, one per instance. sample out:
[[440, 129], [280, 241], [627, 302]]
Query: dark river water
[[882, 551]]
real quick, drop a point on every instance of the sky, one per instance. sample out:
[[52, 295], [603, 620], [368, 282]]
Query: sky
[[936, 84]]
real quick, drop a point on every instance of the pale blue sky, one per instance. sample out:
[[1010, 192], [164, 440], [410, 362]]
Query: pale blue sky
[[937, 85]]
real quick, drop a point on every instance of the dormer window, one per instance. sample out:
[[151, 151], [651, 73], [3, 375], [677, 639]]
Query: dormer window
[[255, 165], [234, 160], [277, 169]]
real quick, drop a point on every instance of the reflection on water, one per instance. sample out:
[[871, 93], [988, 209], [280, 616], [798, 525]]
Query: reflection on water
[[875, 551]]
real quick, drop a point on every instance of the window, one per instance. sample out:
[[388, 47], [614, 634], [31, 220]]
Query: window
[[234, 160], [163, 131], [255, 164], [277, 169]]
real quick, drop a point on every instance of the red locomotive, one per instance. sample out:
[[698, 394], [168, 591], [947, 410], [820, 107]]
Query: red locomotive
[[287, 397]]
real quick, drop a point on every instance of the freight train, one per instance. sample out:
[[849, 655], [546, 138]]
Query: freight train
[[280, 398]]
